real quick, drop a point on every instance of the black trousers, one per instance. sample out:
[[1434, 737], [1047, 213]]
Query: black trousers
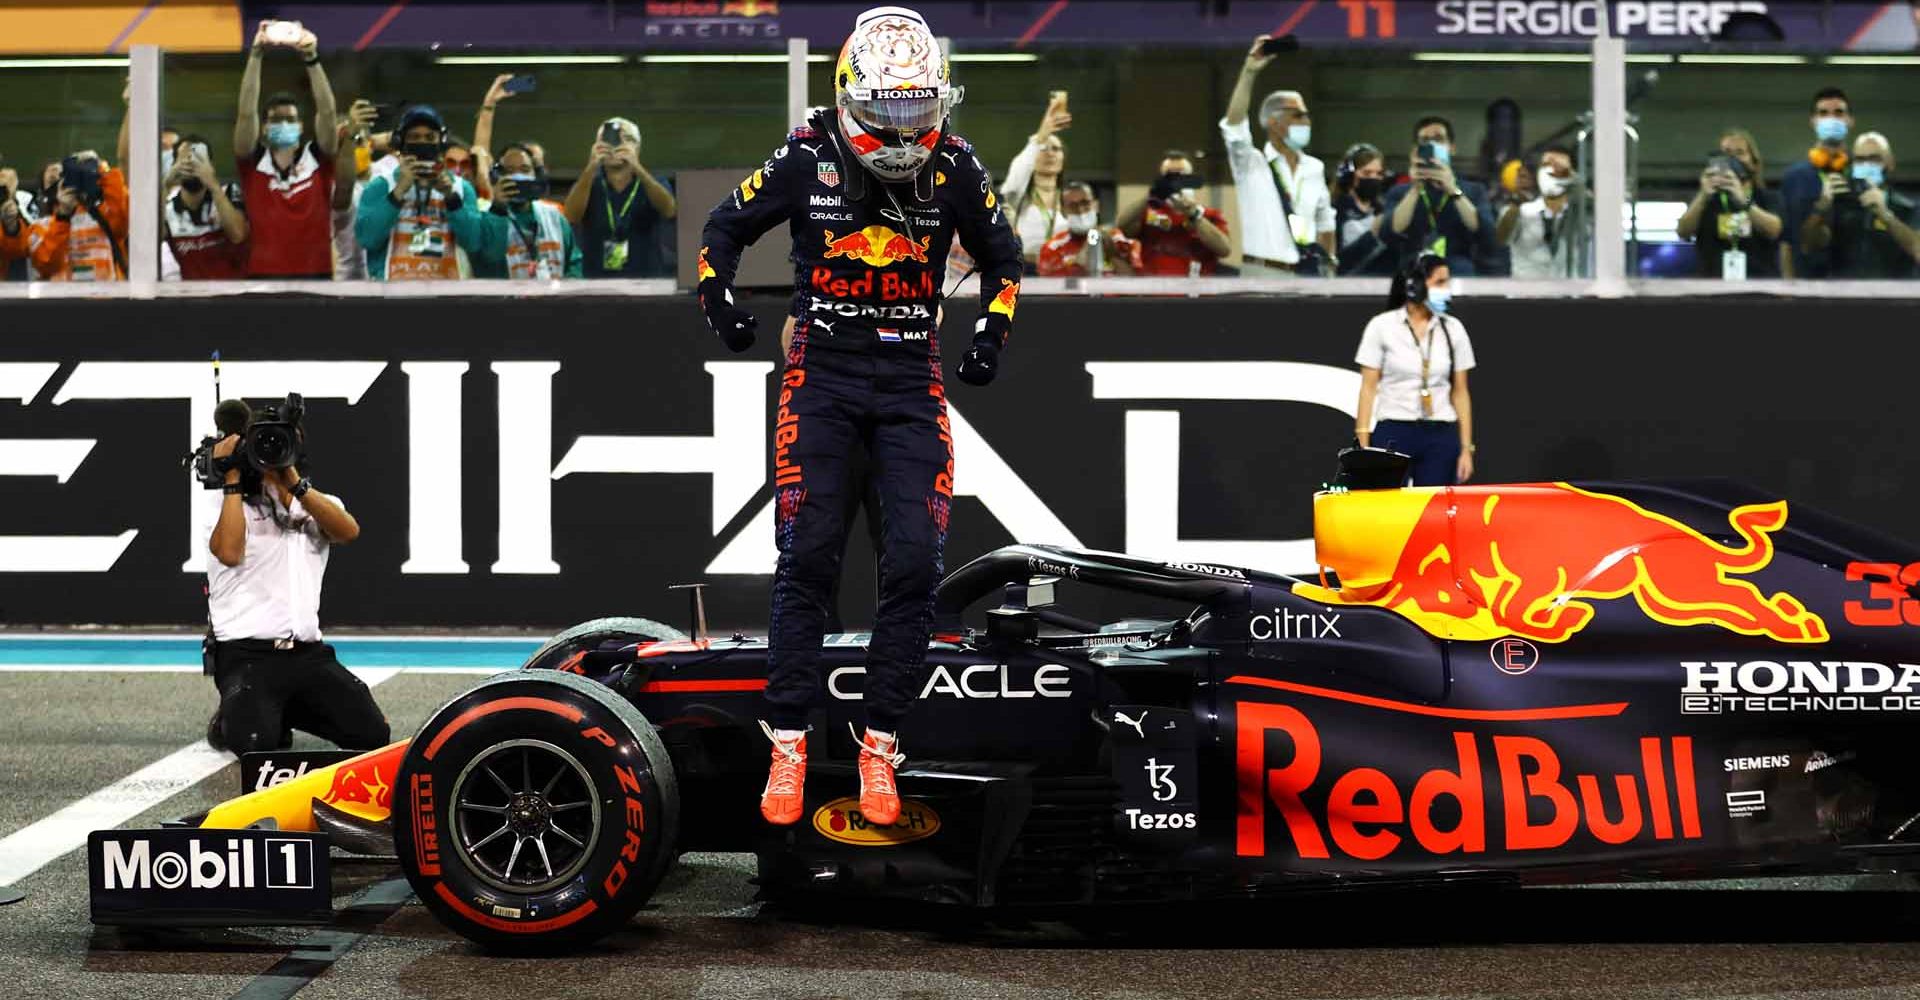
[[831, 403], [266, 693], [1434, 446]]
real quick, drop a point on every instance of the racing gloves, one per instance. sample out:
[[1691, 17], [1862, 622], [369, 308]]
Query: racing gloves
[[733, 324], [982, 361]]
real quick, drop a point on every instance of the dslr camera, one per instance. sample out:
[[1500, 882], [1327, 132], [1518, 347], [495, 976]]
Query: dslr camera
[[82, 174], [270, 438]]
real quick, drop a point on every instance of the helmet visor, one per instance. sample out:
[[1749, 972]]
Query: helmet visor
[[907, 111]]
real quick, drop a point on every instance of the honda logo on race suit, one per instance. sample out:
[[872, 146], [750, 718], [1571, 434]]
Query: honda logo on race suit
[[733, 455]]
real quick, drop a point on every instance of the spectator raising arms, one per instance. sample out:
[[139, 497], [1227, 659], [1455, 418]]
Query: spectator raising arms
[[1177, 234], [287, 183], [1031, 189], [1286, 215], [619, 208], [1733, 220], [353, 158], [85, 239], [413, 221], [1436, 211], [1085, 249], [1536, 226], [1358, 211], [202, 220], [524, 237]]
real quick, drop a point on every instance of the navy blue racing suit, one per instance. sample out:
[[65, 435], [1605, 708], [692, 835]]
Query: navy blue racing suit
[[863, 369]]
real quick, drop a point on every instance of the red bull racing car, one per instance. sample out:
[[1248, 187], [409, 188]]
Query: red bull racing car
[[1512, 684]]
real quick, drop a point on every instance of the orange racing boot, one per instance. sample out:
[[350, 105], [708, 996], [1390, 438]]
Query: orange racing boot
[[879, 801], [781, 801]]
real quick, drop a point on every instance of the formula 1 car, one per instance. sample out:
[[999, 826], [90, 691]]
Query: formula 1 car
[[1509, 683]]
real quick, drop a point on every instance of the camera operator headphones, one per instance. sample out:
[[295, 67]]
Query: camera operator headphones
[[1418, 271], [1823, 158], [1347, 168], [539, 170]]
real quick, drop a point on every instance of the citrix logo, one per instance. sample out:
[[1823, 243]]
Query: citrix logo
[[1285, 624], [133, 866]]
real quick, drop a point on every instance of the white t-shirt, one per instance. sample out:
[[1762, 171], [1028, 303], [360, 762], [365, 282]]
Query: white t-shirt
[[349, 261], [1266, 230], [1533, 252], [1388, 344], [275, 591]]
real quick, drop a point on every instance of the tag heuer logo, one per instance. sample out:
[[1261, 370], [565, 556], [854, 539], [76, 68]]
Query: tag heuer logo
[[830, 174]]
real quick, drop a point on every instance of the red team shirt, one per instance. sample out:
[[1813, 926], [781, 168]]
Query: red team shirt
[[1166, 245], [199, 244], [290, 216]]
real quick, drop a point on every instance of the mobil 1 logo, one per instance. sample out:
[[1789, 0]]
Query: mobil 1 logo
[[189, 876], [1156, 766]]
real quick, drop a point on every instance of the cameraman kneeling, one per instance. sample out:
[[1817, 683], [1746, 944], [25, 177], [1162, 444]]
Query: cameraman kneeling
[[269, 553]]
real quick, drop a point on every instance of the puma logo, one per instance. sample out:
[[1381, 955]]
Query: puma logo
[[1135, 723]]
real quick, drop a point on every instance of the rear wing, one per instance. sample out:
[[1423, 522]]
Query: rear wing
[[1194, 583]]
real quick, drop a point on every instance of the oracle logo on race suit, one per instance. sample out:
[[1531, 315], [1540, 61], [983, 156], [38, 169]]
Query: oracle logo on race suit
[[733, 454], [1507, 793]]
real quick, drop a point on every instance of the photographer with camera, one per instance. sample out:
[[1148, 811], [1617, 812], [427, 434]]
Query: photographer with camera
[[16, 220], [1286, 213], [267, 559], [1435, 211], [1084, 249], [1859, 227], [414, 221], [523, 237], [85, 236], [1733, 219], [287, 182], [620, 208], [1537, 224], [202, 220], [1178, 235]]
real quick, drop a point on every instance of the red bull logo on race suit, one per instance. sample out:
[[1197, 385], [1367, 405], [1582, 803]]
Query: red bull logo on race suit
[[878, 246], [1483, 563]]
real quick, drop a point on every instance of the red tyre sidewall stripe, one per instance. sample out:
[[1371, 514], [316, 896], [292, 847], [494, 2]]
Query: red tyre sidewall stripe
[[509, 926], [566, 712], [743, 684]]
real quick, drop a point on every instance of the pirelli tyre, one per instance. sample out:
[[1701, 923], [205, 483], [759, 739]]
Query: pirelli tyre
[[535, 810], [568, 646]]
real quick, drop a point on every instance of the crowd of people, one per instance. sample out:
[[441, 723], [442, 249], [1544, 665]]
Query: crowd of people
[[352, 200], [347, 199]]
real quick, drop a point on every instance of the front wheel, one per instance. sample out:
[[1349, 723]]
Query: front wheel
[[541, 809]]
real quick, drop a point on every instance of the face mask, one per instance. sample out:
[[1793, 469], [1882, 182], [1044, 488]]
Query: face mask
[[1299, 135], [281, 135], [1437, 299], [1872, 173], [1367, 188], [1830, 129], [1551, 186], [1079, 224]]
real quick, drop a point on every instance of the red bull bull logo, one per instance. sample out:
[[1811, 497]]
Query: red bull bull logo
[[1009, 297], [878, 246], [1484, 563], [360, 784], [704, 269]]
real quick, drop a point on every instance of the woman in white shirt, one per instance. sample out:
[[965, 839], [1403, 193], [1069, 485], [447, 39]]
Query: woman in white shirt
[[1031, 189], [1413, 362]]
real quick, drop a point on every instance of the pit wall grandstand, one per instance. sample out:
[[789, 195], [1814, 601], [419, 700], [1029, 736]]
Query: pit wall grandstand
[[538, 462]]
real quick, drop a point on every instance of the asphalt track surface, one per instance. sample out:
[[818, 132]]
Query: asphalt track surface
[[64, 735]]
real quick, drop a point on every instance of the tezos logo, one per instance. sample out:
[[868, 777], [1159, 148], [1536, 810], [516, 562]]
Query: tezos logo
[[1160, 778]]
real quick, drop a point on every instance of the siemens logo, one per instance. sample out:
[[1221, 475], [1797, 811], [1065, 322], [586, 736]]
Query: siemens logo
[[1757, 763]]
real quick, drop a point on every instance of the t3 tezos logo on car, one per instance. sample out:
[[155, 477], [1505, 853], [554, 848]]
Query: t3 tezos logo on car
[[842, 821]]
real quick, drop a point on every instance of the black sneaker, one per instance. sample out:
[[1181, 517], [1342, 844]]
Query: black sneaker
[[215, 738]]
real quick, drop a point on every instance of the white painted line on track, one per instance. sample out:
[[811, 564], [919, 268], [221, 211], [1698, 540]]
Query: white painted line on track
[[32, 847]]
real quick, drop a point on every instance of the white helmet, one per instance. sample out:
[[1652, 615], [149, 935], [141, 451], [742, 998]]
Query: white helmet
[[892, 92]]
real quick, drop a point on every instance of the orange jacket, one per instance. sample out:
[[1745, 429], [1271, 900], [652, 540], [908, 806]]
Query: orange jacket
[[49, 243], [14, 247]]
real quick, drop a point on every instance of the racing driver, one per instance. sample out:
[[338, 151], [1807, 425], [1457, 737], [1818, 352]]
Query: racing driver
[[874, 191]]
